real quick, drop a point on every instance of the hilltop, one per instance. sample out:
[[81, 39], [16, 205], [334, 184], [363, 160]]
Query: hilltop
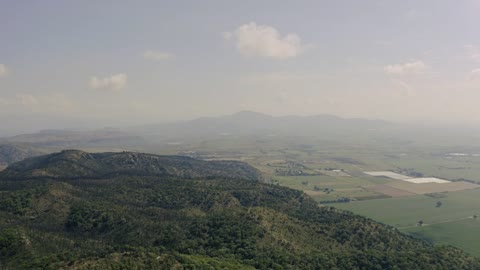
[[140, 211], [74, 164]]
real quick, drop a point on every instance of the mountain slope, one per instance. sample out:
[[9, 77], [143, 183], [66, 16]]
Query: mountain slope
[[10, 153], [166, 221]]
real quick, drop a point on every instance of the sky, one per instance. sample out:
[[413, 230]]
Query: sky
[[93, 63]]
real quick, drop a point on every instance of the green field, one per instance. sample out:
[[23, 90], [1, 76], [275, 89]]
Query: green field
[[338, 187], [451, 223], [407, 211], [462, 233]]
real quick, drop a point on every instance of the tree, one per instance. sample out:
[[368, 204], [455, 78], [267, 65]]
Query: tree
[[420, 223], [439, 204]]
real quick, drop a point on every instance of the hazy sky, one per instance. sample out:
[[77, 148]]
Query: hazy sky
[[96, 62]]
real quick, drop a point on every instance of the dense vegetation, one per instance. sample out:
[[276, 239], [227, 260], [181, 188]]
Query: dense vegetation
[[199, 215], [74, 164]]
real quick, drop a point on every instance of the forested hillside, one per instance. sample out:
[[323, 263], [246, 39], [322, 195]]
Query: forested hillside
[[73, 164], [76, 210]]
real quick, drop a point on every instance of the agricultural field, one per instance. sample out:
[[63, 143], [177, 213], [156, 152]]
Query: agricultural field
[[325, 188], [425, 188], [389, 190], [409, 186], [462, 233], [451, 222], [389, 175]]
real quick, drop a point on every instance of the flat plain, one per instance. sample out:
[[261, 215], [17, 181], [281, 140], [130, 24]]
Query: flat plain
[[426, 188], [458, 233], [452, 222]]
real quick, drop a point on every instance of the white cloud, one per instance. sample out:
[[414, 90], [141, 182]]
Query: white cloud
[[3, 70], [157, 55], [473, 53], [114, 82], [265, 41], [411, 67]]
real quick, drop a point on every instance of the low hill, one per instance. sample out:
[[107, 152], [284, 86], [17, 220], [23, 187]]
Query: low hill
[[74, 164], [182, 213]]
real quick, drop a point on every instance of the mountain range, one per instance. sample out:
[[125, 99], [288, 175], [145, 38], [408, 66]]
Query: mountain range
[[246, 123], [254, 123]]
